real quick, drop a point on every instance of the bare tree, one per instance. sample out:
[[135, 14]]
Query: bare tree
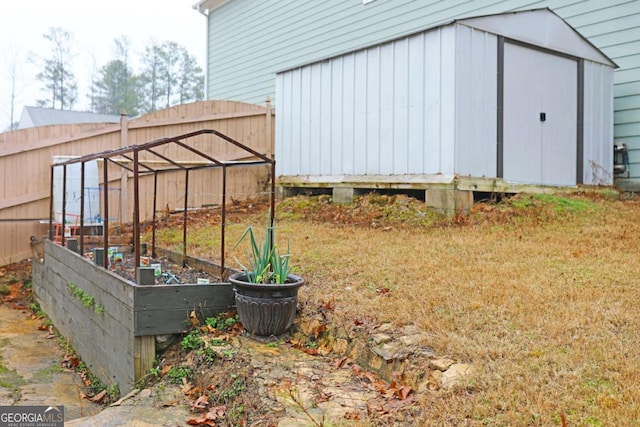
[[14, 61], [56, 73], [171, 76], [190, 79], [151, 59]]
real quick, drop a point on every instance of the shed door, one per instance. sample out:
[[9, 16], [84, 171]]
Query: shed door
[[539, 117]]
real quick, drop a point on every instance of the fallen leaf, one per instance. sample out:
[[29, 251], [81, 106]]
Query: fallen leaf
[[383, 291], [165, 370], [375, 408], [70, 362], [98, 397], [319, 330], [311, 351], [296, 343], [323, 397], [339, 363], [370, 376], [216, 412], [201, 403], [355, 415], [171, 403], [403, 392], [356, 369], [43, 328], [186, 386], [388, 393], [193, 319], [237, 329], [201, 422]]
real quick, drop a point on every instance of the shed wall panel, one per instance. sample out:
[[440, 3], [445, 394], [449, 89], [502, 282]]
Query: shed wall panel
[[359, 114], [337, 108], [598, 124], [416, 100], [371, 149], [476, 102], [447, 101], [385, 110]]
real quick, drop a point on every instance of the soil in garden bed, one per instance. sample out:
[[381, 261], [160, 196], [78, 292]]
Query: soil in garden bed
[[169, 273]]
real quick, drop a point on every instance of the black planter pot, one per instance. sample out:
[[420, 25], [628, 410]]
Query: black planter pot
[[266, 309]]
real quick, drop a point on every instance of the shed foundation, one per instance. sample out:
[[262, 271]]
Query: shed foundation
[[343, 195], [449, 201]]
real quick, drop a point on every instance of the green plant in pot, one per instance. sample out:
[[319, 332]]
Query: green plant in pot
[[266, 292]]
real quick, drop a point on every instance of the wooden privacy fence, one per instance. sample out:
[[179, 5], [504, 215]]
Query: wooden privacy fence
[[26, 156]]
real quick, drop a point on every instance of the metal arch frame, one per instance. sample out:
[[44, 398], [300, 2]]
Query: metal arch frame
[[131, 153]]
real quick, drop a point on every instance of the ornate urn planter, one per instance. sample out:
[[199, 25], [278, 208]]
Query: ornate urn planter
[[266, 309]]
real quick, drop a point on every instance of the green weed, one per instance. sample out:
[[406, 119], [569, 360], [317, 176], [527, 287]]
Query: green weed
[[192, 341], [222, 321], [177, 373]]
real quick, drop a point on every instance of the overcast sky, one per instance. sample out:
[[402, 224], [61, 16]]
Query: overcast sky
[[93, 25]]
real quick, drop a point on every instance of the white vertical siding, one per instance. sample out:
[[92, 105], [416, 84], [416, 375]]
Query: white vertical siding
[[385, 110], [417, 103], [311, 143], [447, 101], [360, 122], [598, 124], [433, 95], [476, 102]]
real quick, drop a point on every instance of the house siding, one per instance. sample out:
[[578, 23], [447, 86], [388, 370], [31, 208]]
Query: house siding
[[250, 40]]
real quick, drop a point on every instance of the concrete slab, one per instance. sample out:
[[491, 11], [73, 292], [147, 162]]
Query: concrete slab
[[31, 368]]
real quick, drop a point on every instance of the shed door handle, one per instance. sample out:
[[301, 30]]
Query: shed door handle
[[543, 117]]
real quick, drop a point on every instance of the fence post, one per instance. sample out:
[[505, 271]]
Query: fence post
[[269, 129], [124, 177]]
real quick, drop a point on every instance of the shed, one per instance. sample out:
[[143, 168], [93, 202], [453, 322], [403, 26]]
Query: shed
[[496, 101]]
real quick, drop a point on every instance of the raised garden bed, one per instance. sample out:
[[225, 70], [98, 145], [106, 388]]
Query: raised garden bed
[[110, 320]]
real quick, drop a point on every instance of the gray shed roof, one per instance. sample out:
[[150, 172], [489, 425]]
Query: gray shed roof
[[39, 116], [540, 27]]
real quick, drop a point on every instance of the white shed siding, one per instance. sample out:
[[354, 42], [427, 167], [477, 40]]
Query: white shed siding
[[598, 122], [383, 110], [428, 104], [476, 102]]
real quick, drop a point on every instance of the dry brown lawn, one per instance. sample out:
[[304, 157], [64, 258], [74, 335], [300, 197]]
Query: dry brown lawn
[[541, 294]]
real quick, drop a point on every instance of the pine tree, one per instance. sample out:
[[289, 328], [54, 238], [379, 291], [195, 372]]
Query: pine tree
[[59, 81]]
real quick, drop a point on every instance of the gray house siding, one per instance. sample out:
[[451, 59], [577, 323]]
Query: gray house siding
[[250, 40]]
